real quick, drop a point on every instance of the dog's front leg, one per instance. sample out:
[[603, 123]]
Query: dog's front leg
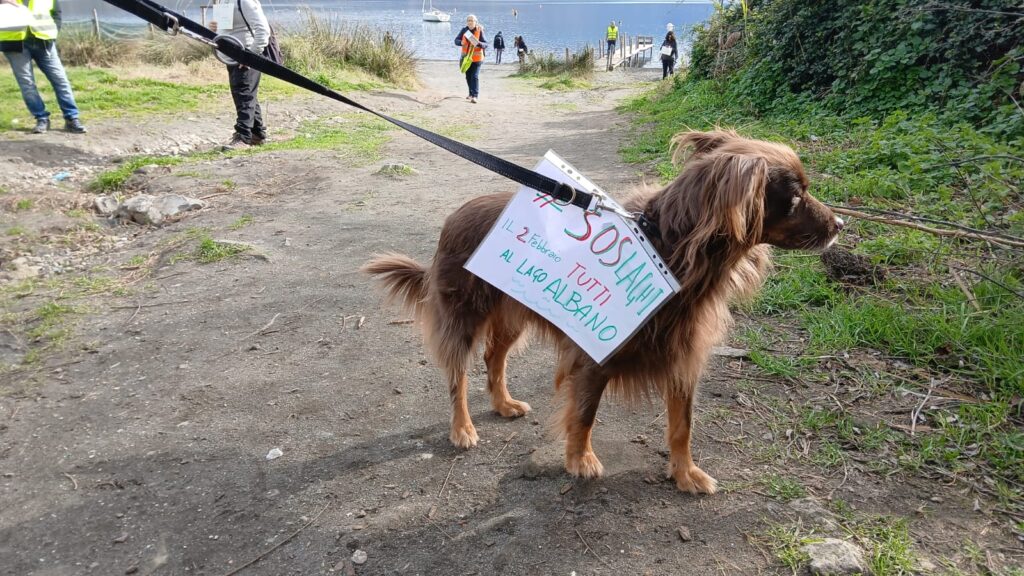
[[688, 477], [583, 390]]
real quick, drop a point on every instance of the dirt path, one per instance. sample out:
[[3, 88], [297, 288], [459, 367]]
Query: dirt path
[[141, 449]]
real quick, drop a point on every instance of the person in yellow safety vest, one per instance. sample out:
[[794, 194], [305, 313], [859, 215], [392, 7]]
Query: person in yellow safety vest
[[471, 38], [612, 36], [38, 42]]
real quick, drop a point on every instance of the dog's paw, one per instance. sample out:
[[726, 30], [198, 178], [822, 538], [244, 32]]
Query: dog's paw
[[464, 436], [512, 408], [694, 480], [585, 465]]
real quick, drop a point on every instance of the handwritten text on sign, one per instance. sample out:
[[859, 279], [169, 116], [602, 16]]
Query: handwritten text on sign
[[593, 276]]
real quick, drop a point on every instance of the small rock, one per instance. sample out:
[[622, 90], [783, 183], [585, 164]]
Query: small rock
[[274, 453], [565, 488], [121, 539], [105, 205], [171, 204], [396, 169], [287, 241], [936, 499], [651, 479], [684, 533], [132, 570], [767, 436], [833, 557], [359, 557]]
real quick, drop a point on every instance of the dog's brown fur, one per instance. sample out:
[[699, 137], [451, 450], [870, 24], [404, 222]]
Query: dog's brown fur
[[733, 198]]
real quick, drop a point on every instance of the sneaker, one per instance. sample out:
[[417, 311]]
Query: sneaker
[[42, 125], [74, 125], [473, 99]]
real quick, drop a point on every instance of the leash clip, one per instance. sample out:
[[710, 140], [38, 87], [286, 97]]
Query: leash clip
[[175, 26]]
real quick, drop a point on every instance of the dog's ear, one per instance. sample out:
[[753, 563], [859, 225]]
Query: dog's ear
[[686, 145], [734, 193]]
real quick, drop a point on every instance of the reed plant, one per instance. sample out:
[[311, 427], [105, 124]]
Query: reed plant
[[324, 47], [579, 65], [79, 46]]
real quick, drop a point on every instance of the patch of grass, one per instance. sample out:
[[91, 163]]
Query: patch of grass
[[786, 544], [16, 231], [890, 545], [355, 137], [23, 204], [105, 94], [113, 180], [209, 251], [565, 83], [782, 488], [242, 222]]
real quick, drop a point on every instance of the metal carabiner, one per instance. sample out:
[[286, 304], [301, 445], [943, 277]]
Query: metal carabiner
[[175, 27]]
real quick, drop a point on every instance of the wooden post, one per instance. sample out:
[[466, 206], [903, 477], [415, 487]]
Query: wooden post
[[152, 30], [95, 23], [202, 12], [567, 56]]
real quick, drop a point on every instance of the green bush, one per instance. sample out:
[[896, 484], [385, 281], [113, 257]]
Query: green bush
[[579, 66]]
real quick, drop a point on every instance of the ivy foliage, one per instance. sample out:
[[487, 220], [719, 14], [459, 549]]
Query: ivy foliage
[[870, 57]]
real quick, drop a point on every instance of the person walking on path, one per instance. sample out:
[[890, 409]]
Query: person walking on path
[[669, 53], [499, 47], [251, 28], [38, 43], [520, 45], [472, 42], [612, 35]]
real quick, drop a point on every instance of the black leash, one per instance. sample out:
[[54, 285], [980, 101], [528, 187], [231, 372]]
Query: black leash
[[172, 22]]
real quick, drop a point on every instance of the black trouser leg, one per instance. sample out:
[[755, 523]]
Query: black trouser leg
[[245, 83], [665, 65]]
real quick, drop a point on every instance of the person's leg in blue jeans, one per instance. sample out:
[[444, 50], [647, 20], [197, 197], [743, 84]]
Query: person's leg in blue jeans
[[21, 64], [45, 55], [473, 79]]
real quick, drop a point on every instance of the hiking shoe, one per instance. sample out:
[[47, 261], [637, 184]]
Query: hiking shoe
[[239, 140], [42, 125], [258, 139], [74, 125]]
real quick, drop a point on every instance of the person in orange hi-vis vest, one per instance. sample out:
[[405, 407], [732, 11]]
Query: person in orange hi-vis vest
[[473, 43]]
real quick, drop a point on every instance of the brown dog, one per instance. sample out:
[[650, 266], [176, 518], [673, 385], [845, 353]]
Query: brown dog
[[733, 197]]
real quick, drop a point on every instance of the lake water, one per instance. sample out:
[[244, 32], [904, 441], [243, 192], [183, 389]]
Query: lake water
[[546, 26]]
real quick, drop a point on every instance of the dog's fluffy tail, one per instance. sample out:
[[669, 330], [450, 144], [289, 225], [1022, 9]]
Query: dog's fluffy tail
[[404, 279]]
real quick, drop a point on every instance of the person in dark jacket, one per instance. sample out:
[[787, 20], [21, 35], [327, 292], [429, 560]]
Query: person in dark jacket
[[669, 53], [472, 43], [499, 47], [38, 43], [521, 51]]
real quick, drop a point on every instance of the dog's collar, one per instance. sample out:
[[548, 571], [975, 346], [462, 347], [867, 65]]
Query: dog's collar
[[648, 226]]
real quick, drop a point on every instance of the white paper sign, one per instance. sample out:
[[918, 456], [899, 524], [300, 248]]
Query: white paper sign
[[224, 15], [595, 277], [14, 17]]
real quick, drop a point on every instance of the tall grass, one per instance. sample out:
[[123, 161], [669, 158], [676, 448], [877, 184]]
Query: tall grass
[[321, 47], [579, 65]]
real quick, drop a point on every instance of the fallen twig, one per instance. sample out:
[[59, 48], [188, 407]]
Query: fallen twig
[[996, 282], [279, 544], [267, 325], [439, 492], [958, 233], [73, 481], [596, 555], [150, 305], [406, 321], [507, 440], [963, 288]]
